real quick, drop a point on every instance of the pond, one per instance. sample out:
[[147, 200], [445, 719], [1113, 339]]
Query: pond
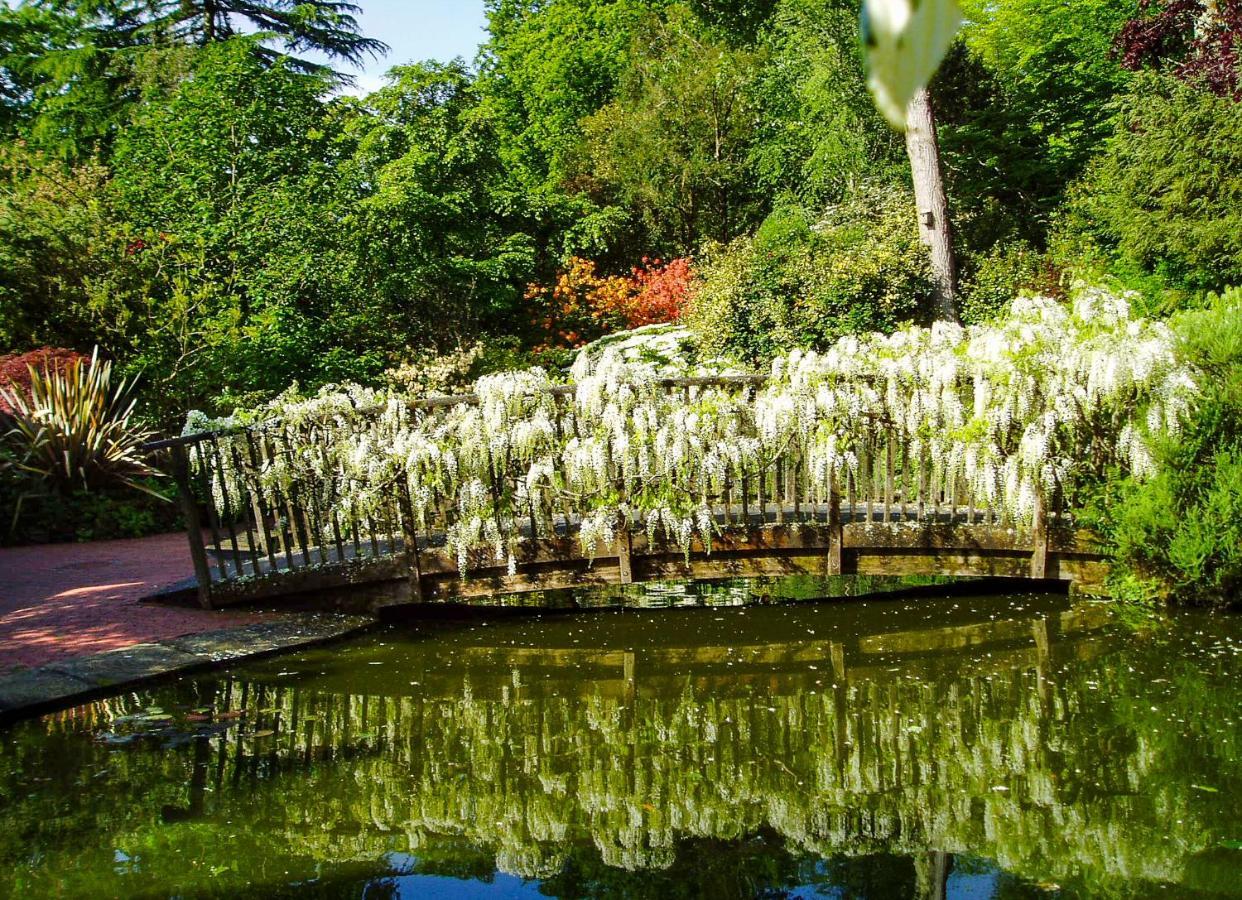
[[971, 747]]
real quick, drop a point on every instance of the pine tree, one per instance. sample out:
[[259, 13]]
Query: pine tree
[[292, 26]]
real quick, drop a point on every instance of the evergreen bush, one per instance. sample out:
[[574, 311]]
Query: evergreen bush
[[1179, 535], [1165, 193]]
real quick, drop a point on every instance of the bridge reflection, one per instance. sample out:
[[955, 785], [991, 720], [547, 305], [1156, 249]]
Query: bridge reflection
[[1034, 734]]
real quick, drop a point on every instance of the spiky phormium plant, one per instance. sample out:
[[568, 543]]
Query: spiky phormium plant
[[76, 431]]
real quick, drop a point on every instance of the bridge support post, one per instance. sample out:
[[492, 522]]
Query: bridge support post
[[1039, 539], [832, 563]]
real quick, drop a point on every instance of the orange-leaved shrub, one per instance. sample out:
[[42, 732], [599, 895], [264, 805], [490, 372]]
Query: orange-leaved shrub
[[582, 305]]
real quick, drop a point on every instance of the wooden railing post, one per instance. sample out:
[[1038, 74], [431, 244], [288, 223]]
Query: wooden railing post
[[832, 564], [625, 550], [409, 537], [180, 464], [1039, 538]]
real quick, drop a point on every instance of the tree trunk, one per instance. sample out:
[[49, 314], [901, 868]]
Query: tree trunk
[[931, 872], [932, 204]]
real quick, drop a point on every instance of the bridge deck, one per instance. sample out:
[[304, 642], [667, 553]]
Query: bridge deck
[[757, 548]]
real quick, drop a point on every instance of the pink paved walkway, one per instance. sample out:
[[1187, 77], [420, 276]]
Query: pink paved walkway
[[62, 600]]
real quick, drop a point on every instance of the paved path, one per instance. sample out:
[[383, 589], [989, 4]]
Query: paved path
[[66, 600]]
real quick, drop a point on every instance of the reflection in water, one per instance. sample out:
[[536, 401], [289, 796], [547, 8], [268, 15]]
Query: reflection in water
[[988, 748]]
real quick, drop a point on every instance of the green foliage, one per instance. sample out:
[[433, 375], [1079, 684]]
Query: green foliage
[[803, 284], [54, 239], [30, 516], [548, 65], [226, 260], [818, 135], [248, 231], [71, 70], [69, 465], [740, 20], [1165, 195], [27, 34], [1179, 535], [217, 219], [1023, 105], [326, 26], [441, 248], [456, 371]]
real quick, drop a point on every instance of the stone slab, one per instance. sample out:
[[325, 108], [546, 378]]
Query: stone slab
[[267, 637], [222, 646], [179, 593], [130, 664], [285, 635], [37, 688], [60, 683]]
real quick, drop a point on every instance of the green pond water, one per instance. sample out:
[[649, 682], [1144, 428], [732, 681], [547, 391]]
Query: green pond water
[[972, 747]]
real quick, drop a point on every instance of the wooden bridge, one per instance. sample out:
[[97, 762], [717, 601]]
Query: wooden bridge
[[889, 516]]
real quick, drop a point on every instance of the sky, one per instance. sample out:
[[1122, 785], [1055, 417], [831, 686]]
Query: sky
[[417, 30]]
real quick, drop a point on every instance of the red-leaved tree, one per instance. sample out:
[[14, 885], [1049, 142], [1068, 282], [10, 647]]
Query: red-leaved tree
[[661, 291], [1198, 41], [583, 305], [15, 368]]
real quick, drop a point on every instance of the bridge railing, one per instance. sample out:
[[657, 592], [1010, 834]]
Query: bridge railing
[[244, 527]]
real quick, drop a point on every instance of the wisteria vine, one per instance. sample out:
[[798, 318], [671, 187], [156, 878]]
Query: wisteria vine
[[1011, 410]]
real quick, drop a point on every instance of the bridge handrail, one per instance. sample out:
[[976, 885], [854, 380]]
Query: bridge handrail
[[269, 510]]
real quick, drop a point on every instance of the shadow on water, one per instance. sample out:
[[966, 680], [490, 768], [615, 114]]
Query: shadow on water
[[975, 747]]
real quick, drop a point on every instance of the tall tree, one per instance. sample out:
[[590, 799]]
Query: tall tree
[[548, 64], [905, 41], [1022, 104], [68, 73], [674, 143], [234, 274], [935, 229], [442, 251], [817, 136]]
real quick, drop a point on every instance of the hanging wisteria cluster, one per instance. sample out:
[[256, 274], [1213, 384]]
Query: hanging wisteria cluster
[[1003, 413]]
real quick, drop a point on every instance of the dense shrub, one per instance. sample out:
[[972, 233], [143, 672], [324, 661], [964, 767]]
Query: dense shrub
[[1165, 195], [1179, 534], [994, 278], [583, 305], [1195, 40], [661, 291], [804, 283], [455, 372], [31, 516]]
